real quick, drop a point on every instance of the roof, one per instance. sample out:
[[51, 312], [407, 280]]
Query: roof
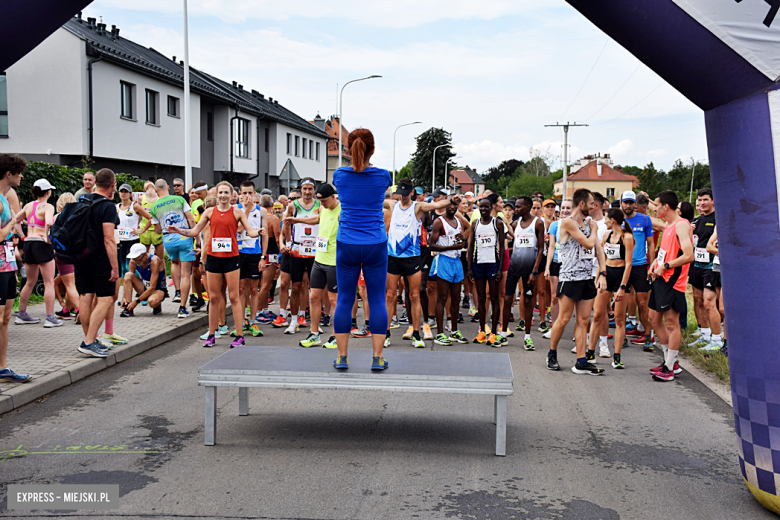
[[589, 172], [332, 129], [466, 176], [128, 54]]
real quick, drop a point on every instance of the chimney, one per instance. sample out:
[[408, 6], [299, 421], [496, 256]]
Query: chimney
[[598, 166], [276, 102], [114, 32], [271, 100], [174, 59], [181, 62], [319, 122], [235, 84], [255, 93], [241, 87], [91, 22], [101, 28]]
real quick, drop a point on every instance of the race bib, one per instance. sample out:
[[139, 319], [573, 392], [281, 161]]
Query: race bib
[[486, 240], [716, 260], [10, 252], [125, 233], [612, 251], [147, 283], [586, 254], [221, 245], [322, 244], [701, 255], [661, 257], [273, 259], [243, 237], [307, 248], [522, 241]]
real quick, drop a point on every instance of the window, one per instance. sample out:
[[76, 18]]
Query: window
[[266, 144], [209, 126], [127, 95], [173, 106], [611, 193], [297, 146], [151, 107], [303, 152], [311, 149], [242, 138], [3, 106], [289, 144], [318, 151]]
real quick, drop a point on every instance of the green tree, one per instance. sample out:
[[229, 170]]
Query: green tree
[[422, 159], [407, 172], [679, 178], [651, 180], [524, 184], [497, 177]]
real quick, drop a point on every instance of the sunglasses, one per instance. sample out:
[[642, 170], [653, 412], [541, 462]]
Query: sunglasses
[[178, 185]]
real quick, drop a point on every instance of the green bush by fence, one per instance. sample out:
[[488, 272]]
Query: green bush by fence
[[65, 179]]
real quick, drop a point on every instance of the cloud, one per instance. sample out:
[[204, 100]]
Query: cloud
[[621, 148]]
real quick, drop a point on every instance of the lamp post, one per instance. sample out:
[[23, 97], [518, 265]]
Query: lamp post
[[433, 173], [186, 107], [447, 167], [340, 107], [396, 130]]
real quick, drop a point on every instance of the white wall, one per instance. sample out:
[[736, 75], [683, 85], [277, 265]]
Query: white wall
[[306, 167], [136, 140], [47, 99]]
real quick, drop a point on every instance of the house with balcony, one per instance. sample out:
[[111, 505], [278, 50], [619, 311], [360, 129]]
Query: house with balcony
[[87, 95]]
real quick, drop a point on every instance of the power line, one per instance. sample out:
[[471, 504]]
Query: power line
[[586, 79], [615, 94], [633, 107]]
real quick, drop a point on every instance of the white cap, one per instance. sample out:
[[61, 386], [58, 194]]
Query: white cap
[[468, 194], [136, 251], [44, 185], [557, 208], [628, 195]]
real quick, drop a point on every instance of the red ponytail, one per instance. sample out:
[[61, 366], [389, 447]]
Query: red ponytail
[[361, 148]]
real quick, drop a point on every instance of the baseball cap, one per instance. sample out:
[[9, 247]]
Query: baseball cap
[[419, 190], [126, 187], [509, 203], [438, 192], [266, 191], [548, 201], [136, 251], [404, 190], [325, 191], [628, 195], [469, 194], [44, 185]]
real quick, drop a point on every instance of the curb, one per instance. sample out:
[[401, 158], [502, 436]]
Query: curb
[[44, 385]]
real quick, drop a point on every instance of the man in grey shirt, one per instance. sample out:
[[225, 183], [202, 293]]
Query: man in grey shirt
[[89, 184]]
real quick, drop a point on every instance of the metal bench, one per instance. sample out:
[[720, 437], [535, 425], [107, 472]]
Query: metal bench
[[409, 371]]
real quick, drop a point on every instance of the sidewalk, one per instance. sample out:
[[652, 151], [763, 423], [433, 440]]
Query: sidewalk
[[52, 358]]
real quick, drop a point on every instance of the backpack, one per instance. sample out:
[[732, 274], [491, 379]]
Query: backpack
[[72, 236]]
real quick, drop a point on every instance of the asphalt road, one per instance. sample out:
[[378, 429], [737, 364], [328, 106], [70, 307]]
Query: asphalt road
[[578, 447]]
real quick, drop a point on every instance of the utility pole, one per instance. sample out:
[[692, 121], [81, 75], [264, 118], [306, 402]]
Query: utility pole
[[566, 150]]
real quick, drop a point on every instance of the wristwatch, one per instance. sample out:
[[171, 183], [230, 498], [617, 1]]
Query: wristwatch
[[138, 300], [603, 273], [263, 257], [666, 265], [623, 287]]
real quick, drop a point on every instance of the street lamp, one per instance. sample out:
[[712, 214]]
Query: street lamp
[[447, 167], [186, 112], [433, 173], [340, 107], [396, 130]]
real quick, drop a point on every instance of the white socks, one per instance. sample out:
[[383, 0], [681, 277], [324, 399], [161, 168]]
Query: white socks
[[665, 348], [632, 319], [717, 338], [527, 336], [705, 334], [671, 357], [640, 327], [602, 340]]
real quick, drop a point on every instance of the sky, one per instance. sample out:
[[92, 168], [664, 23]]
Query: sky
[[492, 73]]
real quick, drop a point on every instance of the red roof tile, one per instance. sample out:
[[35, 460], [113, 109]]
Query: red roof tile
[[590, 172]]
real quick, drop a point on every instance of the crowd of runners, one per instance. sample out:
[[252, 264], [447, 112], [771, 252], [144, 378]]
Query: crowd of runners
[[360, 242]]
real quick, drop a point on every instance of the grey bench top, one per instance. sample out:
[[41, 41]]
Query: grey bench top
[[409, 371]]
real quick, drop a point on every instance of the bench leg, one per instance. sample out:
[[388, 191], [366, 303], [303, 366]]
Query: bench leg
[[243, 401], [211, 416], [500, 409], [495, 409]]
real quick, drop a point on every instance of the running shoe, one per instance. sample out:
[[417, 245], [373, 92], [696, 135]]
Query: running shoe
[[492, 340], [302, 321], [7, 374], [711, 347], [548, 334], [699, 343], [612, 324], [341, 362], [604, 351], [177, 297], [223, 329], [210, 341], [536, 308], [648, 346], [292, 329], [617, 362], [427, 334], [51, 322], [543, 327], [481, 338], [664, 375], [362, 332], [394, 323], [548, 317], [183, 313], [126, 313], [466, 302], [696, 333], [520, 325], [528, 344], [238, 342], [325, 320], [104, 343], [254, 330], [509, 333], [635, 333], [460, 317], [475, 317], [574, 349], [458, 336], [198, 306], [609, 335], [331, 343], [630, 326], [511, 317], [404, 318], [116, 339], [266, 317], [280, 322], [22, 318], [157, 310], [472, 311], [676, 368], [387, 341], [590, 355], [408, 334], [205, 335], [64, 314], [93, 349], [193, 300], [443, 340], [501, 340], [418, 343], [379, 363], [552, 361], [311, 341], [640, 340], [587, 369]]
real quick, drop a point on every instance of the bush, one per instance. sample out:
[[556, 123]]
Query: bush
[[65, 179]]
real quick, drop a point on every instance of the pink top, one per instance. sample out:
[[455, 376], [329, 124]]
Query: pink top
[[34, 221]]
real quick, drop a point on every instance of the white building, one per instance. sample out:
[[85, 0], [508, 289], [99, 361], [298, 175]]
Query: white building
[[87, 92]]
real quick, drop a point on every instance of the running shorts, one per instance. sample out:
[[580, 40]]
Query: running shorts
[[300, 265], [665, 297], [513, 279], [324, 276], [425, 258], [249, 265], [150, 238], [614, 278], [578, 290], [638, 279], [99, 285], [178, 247], [555, 269], [484, 271], [37, 252], [711, 280], [222, 265], [284, 263], [447, 269], [7, 287], [406, 266]]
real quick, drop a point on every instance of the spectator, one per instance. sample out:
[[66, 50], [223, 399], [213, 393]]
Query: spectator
[[178, 187], [89, 185]]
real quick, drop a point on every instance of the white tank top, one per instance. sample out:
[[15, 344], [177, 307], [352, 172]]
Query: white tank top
[[526, 237], [128, 221], [486, 242], [447, 238], [247, 244], [403, 239]]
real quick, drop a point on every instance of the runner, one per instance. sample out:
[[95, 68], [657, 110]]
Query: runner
[[526, 257], [545, 315], [447, 239], [272, 261], [145, 275], [150, 238], [618, 245], [38, 254], [576, 289], [129, 228], [362, 243], [597, 214], [428, 287], [403, 249], [669, 271], [198, 195], [302, 249], [222, 260], [173, 211], [705, 296], [717, 344], [324, 270], [251, 259], [65, 276], [486, 253], [553, 268]]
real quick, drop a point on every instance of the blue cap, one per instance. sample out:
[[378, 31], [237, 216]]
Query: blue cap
[[419, 190]]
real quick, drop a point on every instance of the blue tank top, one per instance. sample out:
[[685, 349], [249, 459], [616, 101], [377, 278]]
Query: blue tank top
[[5, 216], [146, 274], [362, 196]]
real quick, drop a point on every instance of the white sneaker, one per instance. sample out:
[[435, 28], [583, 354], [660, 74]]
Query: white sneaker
[[548, 334], [205, 335], [292, 329], [696, 332], [574, 349], [387, 341], [604, 351]]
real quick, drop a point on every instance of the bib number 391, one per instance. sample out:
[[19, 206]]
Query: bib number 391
[[221, 245]]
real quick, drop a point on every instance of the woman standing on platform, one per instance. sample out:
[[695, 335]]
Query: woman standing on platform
[[362, 242]]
